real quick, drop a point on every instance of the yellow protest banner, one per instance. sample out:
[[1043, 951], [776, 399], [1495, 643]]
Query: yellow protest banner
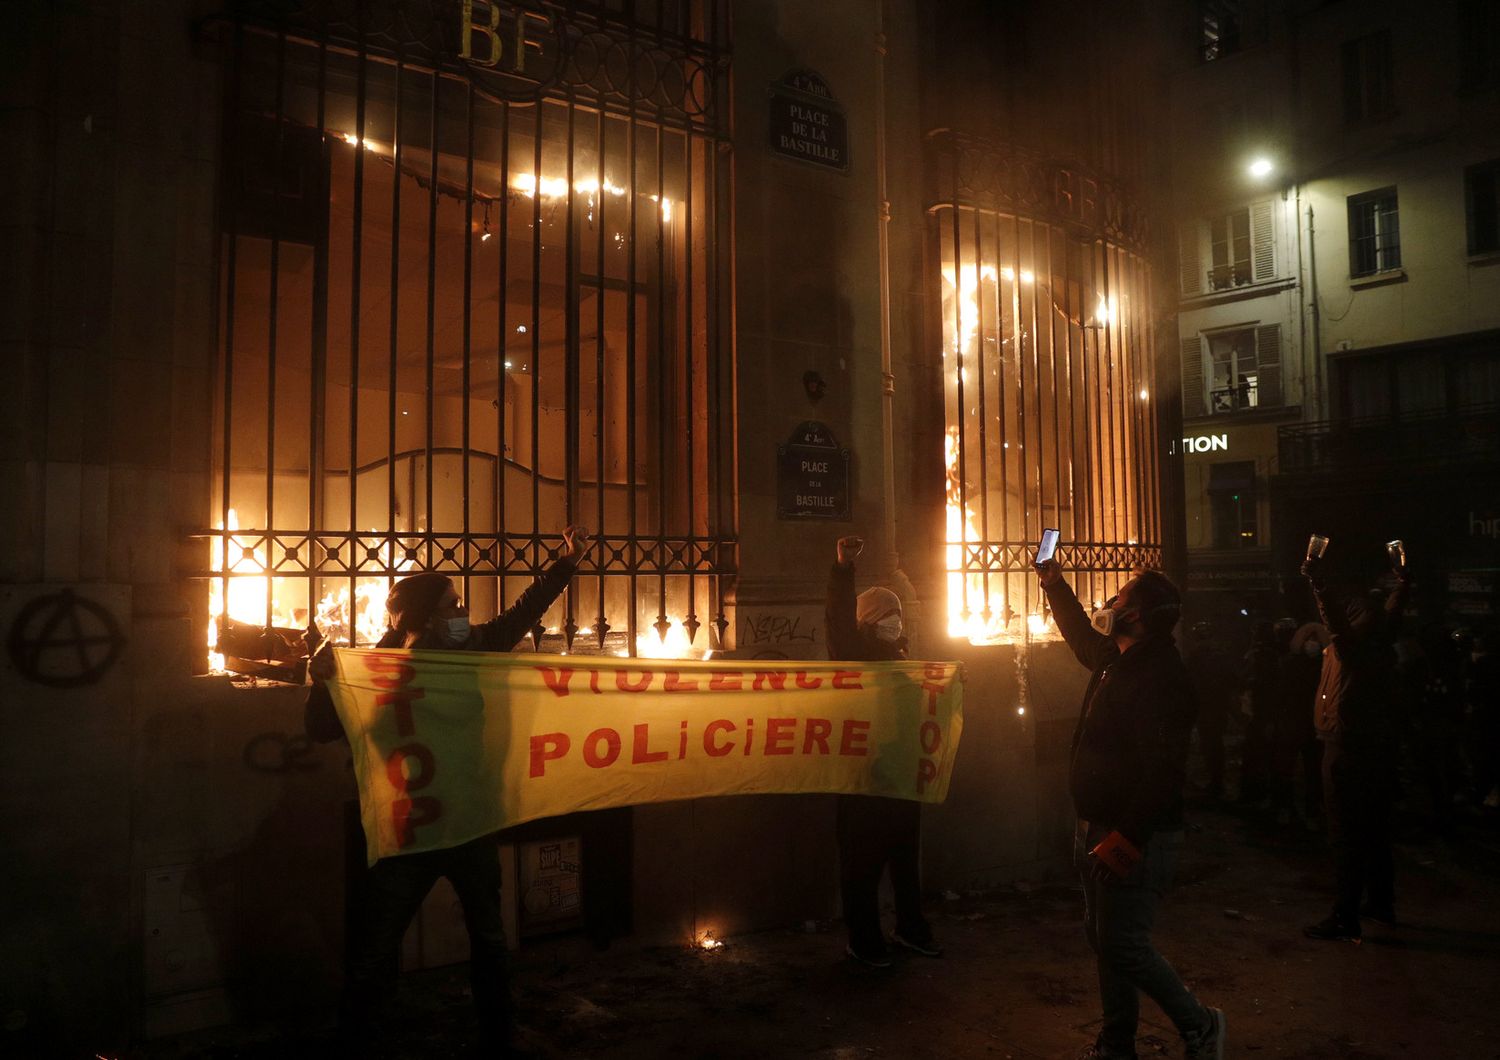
[[451, 745]]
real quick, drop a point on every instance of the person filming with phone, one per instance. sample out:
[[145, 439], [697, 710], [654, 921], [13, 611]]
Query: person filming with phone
[[1355, 716], [1129, 760]]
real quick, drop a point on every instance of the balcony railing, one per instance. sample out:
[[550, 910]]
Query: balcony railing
[[1465, 435], [1234, 398]]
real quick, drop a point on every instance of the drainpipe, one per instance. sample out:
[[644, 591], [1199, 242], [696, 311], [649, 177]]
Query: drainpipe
[[1317, 343], [894, 575]]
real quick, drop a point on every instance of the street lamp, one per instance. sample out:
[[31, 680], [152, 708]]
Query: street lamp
[[1260, 168]]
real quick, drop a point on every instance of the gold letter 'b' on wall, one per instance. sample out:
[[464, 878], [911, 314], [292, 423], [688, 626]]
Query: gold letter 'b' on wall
[[492, 31]]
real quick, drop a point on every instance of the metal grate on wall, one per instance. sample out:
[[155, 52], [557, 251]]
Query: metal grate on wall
[[474, 271], [1049, 383]]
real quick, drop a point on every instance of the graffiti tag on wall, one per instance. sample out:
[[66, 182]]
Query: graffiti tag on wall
[[63, 640]]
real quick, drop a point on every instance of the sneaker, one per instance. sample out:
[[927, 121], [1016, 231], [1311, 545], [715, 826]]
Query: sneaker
[[1332, 929], [921, 944], [1383, 915], [1209, 1044], [871, 960]]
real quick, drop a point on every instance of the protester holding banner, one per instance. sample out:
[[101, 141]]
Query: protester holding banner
[[425, 611], [874, 832], [1128, 765]]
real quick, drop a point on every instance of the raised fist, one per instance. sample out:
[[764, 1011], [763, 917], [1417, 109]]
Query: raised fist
[[850, 547]]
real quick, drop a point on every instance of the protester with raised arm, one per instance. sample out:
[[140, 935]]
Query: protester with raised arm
[[1355, 715], [425, 611], [874, 832], [1129, 760]]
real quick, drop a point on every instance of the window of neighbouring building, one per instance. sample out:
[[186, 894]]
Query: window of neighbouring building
[[1374, 233], [1220, 23], [1228, 250], [1478, 44], [1233, 370], [1229, 245], [462, 308], [1233, 505], [1482, 205], [1369, 78]]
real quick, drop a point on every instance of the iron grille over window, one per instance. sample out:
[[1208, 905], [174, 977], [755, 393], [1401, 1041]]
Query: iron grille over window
[[1047, 350], [472, 289], [1374, 232]]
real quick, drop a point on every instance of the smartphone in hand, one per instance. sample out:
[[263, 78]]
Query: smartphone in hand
[[1048, 546]]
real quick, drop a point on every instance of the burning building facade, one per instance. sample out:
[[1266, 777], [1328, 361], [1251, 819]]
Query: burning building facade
[[312, 295]]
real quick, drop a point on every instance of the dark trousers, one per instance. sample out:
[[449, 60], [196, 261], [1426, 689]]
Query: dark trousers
[[1357, 786], [1117, 918], [1213, 721], [390, 894], [874, 832]]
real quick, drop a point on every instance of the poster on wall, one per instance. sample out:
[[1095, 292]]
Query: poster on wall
[[812, 475], [807, 123]]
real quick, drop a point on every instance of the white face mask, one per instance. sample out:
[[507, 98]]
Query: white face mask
[[888, 629], [458, 630], [1103, 621]]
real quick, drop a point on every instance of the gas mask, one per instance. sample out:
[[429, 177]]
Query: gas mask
[[1312, 649], [1105, 620], [456, 630], [888, 629]]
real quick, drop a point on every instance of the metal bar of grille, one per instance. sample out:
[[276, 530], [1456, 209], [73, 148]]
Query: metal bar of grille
[[715, 426], [632, 632], [1027, 323], [232, 120], [395, 338], [318, 340], [1090, 448], [502, 368], [536, 354], [1059, 383], [662, 360], [962, 414], [468, 324], [570, 360], [690, 349], [1107, 393], [275, 317], [601, 620], [984, 445], [434, 134]]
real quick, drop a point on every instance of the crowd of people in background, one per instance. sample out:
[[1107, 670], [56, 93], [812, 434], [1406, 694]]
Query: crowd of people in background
[[1445, 698]]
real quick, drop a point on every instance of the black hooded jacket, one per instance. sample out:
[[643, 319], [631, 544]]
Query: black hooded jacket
[[846, 639], [502, 633], [1131, 745]]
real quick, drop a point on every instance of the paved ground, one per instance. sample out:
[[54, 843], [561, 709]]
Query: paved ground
[[1017, 979]]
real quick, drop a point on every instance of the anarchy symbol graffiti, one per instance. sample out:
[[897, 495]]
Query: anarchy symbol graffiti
[[64, 641]]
